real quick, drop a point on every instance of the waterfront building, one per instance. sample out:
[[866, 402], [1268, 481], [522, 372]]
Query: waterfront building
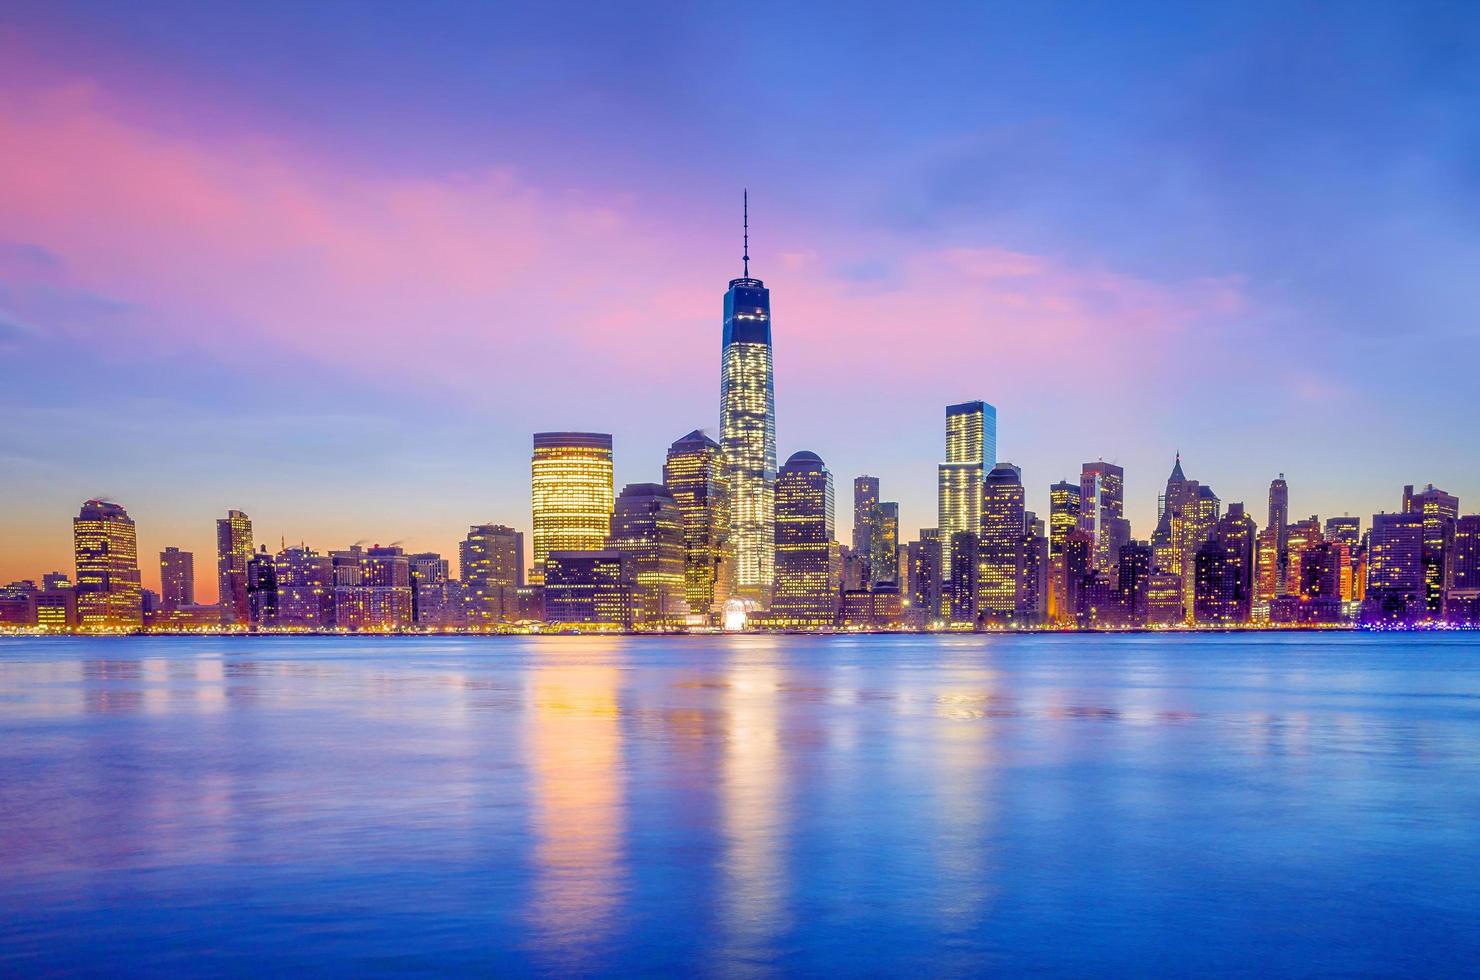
[[56, 603], [1440, 511], [432, 597], [697, 475], [1395, 570], [305, 589], [1132, 582], [1462, 602], [1000, 555], [262, 590], [591, 590], [971, 440], [803, 597], [1078, 559], [18, 604], [1165, 600], [961, 587], [233, 550], [881, 608], [109, 596], [1032, 593], [176, 579], [923, 582], [748, 429], [387, 583], [491, 568], [1101, 508], [572, 493], [883, 540], [648, 526]]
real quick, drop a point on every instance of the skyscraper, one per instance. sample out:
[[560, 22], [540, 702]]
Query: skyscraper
[[490, 562], [176, 579], [865, 496], [106, 548], [1101, 509], [1279, 520], [1000, 556], [233, 550], [572, 493], [883, 539], [1440, 511], [699, 479], [804, 530], [648, 526], [1395, 570], [1462, 602], [971, 442], [747, 422]]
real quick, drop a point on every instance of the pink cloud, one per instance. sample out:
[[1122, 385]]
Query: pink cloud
[[223, 241]]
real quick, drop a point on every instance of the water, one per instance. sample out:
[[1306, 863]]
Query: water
[[741, 805]]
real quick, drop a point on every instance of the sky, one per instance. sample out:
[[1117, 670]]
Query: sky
[[332, 264]]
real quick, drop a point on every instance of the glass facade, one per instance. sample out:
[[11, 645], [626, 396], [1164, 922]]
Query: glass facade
[[697, 475], [748, 434], [233, 551], [804, 597], [109, 596], [647, 525]]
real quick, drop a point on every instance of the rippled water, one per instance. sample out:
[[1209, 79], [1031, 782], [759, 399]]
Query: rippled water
[[741, 805]]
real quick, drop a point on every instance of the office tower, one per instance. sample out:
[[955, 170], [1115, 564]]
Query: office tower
[[1320, 586], [803, 597], [1032, 593], [699, 479], [233, 549], [351, 597], [387, 583], [1279, 519], [1223, 570], [56, 603], [648, 526], [1300, 537], [1079, 553], [1440, 510], [961, 587], [305, 589], [432, 595], [1132, 581], [924, 584], [1267, 565], [836, 565], [747, 422], [883, 537], [1239, 535], [865, 496], [109, 596], [1462, 603], [854, 577], [1396, 587], [262, 590], [1165, 600], [1347, 530], [1187, 512], [176, 579], [1063, 514], [971, 441], [591, 590], [572, 490], [1000, 555], [491, 568], [1101, 501]]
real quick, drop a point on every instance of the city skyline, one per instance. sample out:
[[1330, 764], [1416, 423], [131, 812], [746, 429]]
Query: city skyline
[[348, 339]]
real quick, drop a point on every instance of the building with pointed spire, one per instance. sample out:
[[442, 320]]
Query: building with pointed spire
[[747, 423]]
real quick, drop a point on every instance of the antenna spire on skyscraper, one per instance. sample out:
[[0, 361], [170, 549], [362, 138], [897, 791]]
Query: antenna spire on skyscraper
[[745, 206]]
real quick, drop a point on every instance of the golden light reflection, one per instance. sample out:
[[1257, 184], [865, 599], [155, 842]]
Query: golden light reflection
[[576, 756], [967, 707], [754, 895]]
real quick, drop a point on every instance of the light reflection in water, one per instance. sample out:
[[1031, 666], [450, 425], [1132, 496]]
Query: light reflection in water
[[575, 749]]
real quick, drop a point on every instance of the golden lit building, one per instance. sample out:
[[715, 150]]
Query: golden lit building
[[1000, 555], [572, 493], [109, 596], [233, 551], [971, 442], [696, 474], [1300, 537], [804, 597]]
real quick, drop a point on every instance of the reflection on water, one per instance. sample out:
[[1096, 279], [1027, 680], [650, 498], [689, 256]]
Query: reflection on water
[[575, 749], [741, 805]]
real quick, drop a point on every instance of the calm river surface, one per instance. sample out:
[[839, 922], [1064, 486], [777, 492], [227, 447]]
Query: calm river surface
[[1256, 804]]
